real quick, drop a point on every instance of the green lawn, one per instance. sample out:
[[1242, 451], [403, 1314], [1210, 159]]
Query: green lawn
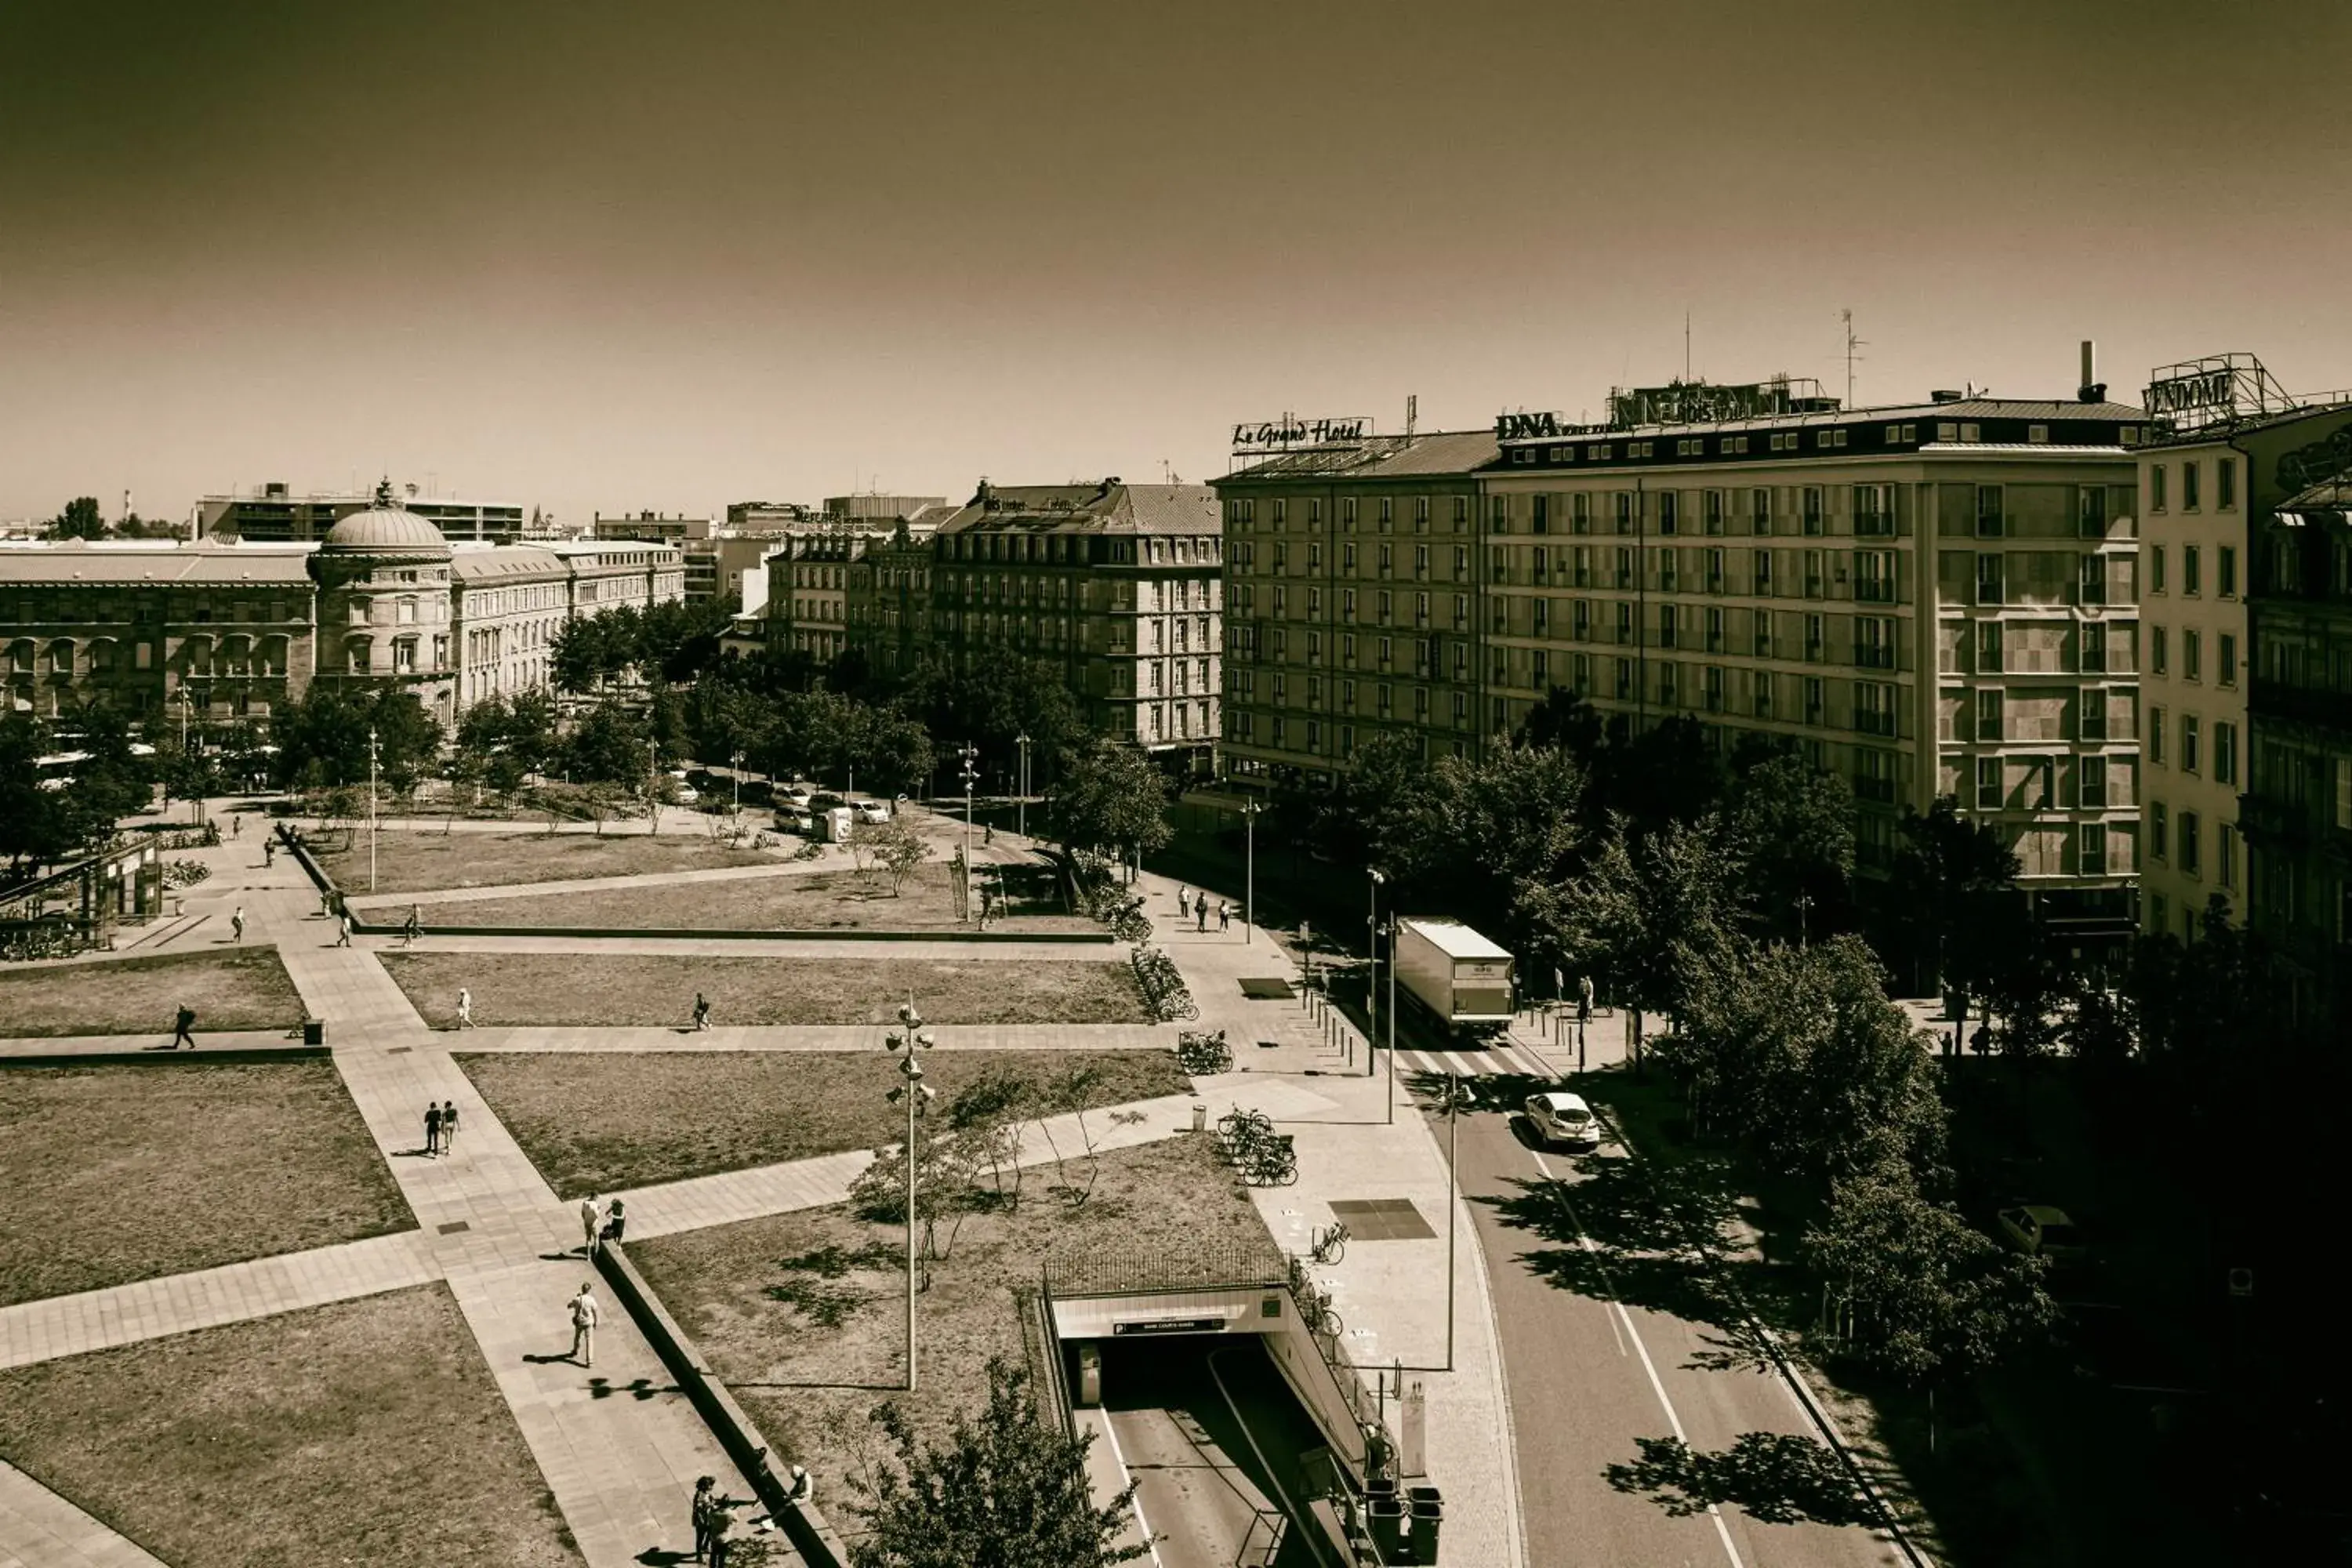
[[367, 1431], [801, 1314], [229, 987], [609, 1121], [816, 901], [562, 988], [116, 1174], [409, 862]]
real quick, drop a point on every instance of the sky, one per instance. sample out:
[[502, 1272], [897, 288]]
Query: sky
[[612, 256]]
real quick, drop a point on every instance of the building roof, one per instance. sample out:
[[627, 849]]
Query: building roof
[[1108, 506], [386, 530], [189, 565], [1439, 452], [2333, 494], [499, 562]]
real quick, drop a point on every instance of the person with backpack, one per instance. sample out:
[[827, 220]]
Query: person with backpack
[[183, 1027]]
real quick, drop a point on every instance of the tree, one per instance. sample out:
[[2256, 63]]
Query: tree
[[322, 740], [1368, 818], [1112, 798], [1792, 827], [1564, 721], [1954, 891], [1007, 1489], [81, 519], [1649, 915], [1929, 1296], [34, 824], [579, 654], [944, 1189], [1670, 773], [895, 846], [1481, 839], [608, 746]]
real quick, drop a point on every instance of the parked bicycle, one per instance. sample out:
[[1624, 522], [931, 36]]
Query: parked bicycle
[[1199, 1053], [1265, 1158], [1330, 1243]]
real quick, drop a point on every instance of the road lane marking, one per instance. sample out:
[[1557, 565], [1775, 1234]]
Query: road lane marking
[[1658, 1384], [1111, 1430]]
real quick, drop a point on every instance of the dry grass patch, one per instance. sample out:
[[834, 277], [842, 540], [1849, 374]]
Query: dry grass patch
[[802, 1314], [230, 988], [552, 989], [605, 1122], [368, 1431], [116, 1174], [804, 901], [411, 862]]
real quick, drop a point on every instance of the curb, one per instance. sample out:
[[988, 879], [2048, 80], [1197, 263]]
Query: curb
[[232, 1055], [805, 1527]]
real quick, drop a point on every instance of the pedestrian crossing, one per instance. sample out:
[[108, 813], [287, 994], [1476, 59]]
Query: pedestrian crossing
[[1512, 1058]]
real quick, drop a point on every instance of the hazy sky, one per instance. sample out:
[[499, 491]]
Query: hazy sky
[[601, 256]]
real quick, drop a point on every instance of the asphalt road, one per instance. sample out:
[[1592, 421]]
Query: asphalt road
[[1589, 1375]]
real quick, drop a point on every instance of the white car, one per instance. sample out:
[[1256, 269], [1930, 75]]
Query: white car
[[1563, 1118], [2039, 1230], [799, 796], [792, 820], [870, 810]]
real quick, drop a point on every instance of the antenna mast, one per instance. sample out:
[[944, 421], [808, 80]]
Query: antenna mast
[[1852, 343]]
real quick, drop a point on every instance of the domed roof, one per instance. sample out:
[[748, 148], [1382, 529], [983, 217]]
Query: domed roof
[[386, 529]]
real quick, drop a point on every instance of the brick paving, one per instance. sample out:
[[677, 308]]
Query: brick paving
[[39, 1529]]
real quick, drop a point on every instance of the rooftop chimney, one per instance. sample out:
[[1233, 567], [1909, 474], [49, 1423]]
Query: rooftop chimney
[[2092, 390]]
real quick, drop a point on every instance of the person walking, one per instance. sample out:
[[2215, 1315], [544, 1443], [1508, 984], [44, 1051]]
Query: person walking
[[344, 928], [1584, 998], [1201, 913], [722, 1521], [449, 1127], [615, 1222], [803, 1489], [184, 1027], [701, 1012], [584, 1326], [269, 853], [1183, 901], [235, 825], [703, 1502], [236, 923], [465, 1008], [432, 1129], [413, 927], [326, 904], [591, 1220], [1225, 915]]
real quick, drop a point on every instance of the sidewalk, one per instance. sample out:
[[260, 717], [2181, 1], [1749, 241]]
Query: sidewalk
[[39, 1529]]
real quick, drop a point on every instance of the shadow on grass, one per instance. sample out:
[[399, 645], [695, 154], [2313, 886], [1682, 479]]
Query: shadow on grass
[[1770, 1477]]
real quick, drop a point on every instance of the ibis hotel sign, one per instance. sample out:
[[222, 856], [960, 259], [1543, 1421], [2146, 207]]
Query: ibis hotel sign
[[1288, 432]]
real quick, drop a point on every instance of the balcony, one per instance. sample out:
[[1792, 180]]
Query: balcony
[[1873, 591], [1869, 656]]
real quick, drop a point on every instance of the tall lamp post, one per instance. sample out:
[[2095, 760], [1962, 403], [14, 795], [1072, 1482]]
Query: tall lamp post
[[1250, 810], [735, 777], [1373, 976], [1386, 930], [971, 755], [372, 768], [911, 1037], [652, 785], [1023, 809], [1452, 1200]]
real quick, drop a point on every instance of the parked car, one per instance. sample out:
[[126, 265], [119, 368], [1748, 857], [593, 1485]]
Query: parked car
[[792, 819], [2038, 1230], [1564, 1119], [870, 810], [797, 795]]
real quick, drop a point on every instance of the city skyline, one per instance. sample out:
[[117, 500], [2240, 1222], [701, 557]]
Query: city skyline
[[595, 262]]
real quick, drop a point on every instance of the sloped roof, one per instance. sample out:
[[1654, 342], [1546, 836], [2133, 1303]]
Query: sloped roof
[[1105, 507], [1439, 452], [191, 565], [505, 561]]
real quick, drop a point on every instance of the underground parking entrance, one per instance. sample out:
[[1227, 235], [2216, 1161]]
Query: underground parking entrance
[[1250, 1441]]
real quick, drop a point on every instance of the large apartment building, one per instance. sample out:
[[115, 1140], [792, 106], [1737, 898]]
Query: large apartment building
[[1933, 599], [273, 513], [1122, 585]]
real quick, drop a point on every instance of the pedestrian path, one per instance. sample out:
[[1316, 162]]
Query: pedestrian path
[[376, 903], [576, 1039], [156, 1040], [752, 945], [179, 1303], [39, 1529]]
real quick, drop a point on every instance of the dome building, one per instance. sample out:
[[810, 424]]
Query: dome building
[[384, 577]]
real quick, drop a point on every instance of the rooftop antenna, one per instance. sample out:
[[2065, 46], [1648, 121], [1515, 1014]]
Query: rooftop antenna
[[1852, 343], [1412, 414], [1686, 346]]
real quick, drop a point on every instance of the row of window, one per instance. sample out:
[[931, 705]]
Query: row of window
[[2184, 749], [2179, 839], [2093, 783], [2001, 717], [1241, 512], [2192, 570], [2193, 484], [2192, 655], [1153, 550]]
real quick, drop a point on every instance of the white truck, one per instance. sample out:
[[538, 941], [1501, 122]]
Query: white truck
[[1462, 979]]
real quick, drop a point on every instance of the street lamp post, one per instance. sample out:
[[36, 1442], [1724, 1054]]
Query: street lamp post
[[372, 768], [911, 1037], [971, 755], [1385, 931], [1250, 809], [1452, 1199], [1023, 809], [1372, 974], [652, 785], [735, 777]]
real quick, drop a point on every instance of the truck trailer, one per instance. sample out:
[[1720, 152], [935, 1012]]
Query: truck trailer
[[1462, 979]]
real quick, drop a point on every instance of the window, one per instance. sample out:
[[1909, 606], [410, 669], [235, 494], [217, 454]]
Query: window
[[1625, 678], [2192, 473], [1540, 513], [2091, 714], [1669, 511], [2091, 580], [2155, 736], [2188, 742], [2091, 511], [2159, 831], [1624, 511], [2225, 753], [2225, 483], [1581, 512], [1988, 716], [1988, 790], [2192, 660], [1874, 509], [1711, 510], [2192, 576], [2225, 566], [1814, 626], [1988, 648], [1461, 514], [2157, 474], [2091, 647], [1763, 573], [2037, 434], [2225, 847], [2155, 568], [2091, 854], [1989, 578], [1760, 512], [2090, 783], [2192, 837], [1812, 498], [2225, 661], [1989, 516], [2160, 649]]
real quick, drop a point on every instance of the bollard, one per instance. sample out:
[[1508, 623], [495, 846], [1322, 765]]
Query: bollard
[[1200, 1116]]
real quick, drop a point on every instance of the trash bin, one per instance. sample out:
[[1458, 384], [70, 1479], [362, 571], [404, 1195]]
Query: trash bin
[[1428, 1514], [1385, 1516], [314, 1031], [1200, 1116]]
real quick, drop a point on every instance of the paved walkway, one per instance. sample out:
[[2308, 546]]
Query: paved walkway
[[39, 1529], [811, 1038], [154, 1040]]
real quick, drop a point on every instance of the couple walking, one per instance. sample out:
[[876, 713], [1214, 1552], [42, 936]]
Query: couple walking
[[600, 1222], [440, 1129]]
